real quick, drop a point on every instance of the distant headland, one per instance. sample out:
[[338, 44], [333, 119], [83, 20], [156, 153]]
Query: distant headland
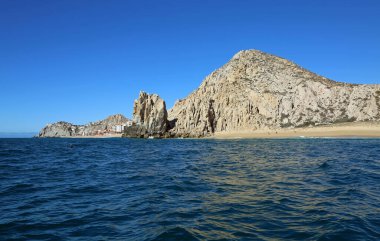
[[112, 126], [254, 95]]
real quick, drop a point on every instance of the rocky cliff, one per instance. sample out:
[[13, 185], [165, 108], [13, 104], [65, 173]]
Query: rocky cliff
[[256, 90], [65, 129], [149, 117]]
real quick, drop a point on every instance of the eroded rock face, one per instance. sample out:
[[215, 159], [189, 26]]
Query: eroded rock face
[[65, 129], [255, 90], [58, 129], [150, 117]]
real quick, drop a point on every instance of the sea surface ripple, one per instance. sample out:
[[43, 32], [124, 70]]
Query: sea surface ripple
[[126, 189]]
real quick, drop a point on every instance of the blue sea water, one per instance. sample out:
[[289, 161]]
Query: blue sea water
[[126, 189]]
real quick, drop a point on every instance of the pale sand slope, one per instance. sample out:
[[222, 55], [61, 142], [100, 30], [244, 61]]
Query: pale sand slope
[[352, 129]]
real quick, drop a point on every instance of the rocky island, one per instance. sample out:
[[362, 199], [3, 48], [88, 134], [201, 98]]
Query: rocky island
[[255, 92]]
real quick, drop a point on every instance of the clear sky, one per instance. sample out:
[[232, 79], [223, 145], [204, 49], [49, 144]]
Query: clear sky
[[82, 60]]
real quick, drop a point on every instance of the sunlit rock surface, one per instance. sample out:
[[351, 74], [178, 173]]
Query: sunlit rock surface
[[256, 90], [150, 117]]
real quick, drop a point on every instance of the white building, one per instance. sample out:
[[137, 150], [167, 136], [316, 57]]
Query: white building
[[119, 128]]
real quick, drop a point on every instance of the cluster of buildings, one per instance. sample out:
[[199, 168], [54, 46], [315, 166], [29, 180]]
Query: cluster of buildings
[[105, 129], [120, 128]]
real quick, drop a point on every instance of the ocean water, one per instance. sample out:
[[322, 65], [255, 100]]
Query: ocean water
[[122, 189]]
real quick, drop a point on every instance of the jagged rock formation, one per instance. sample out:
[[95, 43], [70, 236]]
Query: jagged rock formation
[[256, 90], [150, 111], [65, 129], [149, 117]]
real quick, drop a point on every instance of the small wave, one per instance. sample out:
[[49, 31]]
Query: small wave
[[87, 190], [345, 234], [324, 165], [18, 188], [175, 234]]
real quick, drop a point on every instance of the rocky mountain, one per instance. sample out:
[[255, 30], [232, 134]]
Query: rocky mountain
[[256, 90], [260, 91], [65, 129]]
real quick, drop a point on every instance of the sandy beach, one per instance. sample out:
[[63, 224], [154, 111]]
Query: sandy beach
[[97, 136], [354, 129]]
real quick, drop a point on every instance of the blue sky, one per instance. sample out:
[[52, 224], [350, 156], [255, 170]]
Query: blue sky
[[81, 61]]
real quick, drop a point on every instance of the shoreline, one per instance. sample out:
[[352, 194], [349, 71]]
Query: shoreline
[[341, 130], [97, 137]]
